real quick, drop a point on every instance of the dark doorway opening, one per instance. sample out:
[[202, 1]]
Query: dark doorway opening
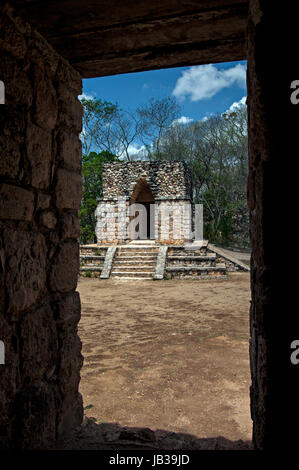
[[143, 195]]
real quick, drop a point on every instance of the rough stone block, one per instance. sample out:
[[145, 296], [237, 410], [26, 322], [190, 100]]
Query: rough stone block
[[70, 226], [43, 201], [68, 190], [9, 381], [16, 203], [48, 219], [69, 312], [10, 156], [36, 410], [39, 345], [69, 77], [70, 113], [70, 149], [26, 255], [64, 273], [39, 152], [10, 38], [45, 101], [40, 52]]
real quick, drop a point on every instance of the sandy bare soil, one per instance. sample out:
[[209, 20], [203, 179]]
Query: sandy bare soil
[[169, 355]]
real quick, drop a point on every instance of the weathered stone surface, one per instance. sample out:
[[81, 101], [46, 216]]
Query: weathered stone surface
[[39, 52], [70, 110], [68, 77], [16, 203], [20, 87], [10, 157], [36, 412], [70, 150], [68, 190], [167, 180], [43, 201], [11, 40], [71, 414], [45, 100], [70, 226], [26, 255], [9, 382], [130, 37], [39, 152], [107, 266], [64, 273], [39, 345], [39, 397], [71, 360], [11, 136], [272, 195], [48, 219], [166, 189], [161, 262], [69, 312]]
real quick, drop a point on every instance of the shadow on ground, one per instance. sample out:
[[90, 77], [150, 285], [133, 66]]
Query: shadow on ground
[[112, 436]]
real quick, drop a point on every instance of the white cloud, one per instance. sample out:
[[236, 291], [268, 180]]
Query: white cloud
[[183, 120], [236, 104], [204, 81], [135, 149], [86, 97]]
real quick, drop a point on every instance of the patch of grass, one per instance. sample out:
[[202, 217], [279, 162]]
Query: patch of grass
[[88, 407]]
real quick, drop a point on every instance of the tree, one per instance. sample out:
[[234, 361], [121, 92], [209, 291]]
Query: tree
[[156, 118], [216, 151], [97, 116], [92, 191]]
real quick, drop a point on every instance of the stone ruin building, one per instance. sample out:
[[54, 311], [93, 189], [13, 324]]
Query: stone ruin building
[[159, 245], [163, 189], [46, 48]]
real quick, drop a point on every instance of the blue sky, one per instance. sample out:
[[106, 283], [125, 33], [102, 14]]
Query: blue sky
[[200, 90]]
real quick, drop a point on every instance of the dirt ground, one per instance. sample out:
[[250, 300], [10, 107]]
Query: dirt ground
[[169, 355]]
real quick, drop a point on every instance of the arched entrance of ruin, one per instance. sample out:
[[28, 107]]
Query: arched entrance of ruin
[[142, 195]]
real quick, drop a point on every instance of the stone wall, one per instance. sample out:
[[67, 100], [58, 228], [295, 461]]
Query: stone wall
[[167, 180], [40, 193], [171, 222], [273, 123], [171, 187]]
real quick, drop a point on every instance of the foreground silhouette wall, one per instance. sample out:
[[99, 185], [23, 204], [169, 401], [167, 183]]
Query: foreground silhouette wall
[[40, 190], [40, 193]]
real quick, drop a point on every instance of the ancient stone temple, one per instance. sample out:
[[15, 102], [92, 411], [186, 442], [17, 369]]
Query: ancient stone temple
[[148, 227], [145, 200]]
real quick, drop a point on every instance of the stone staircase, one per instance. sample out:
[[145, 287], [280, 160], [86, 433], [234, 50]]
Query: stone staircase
[[184, 263], [144, 259], [134, 261], [92, 260]]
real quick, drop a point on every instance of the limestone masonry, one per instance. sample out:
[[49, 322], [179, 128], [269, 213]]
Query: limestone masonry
[[163, 188]]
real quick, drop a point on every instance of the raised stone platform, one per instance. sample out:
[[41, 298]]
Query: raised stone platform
[[146, 259]]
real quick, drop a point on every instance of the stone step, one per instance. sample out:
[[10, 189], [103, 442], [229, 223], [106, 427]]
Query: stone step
[[132, 274], [141, 249], [182, 252], [198, 272], [218, 267], [208, 257], [137, 258], [91, 268], [142, 243], [87, 257], [147, 269], [134, 262], [93, 250]]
